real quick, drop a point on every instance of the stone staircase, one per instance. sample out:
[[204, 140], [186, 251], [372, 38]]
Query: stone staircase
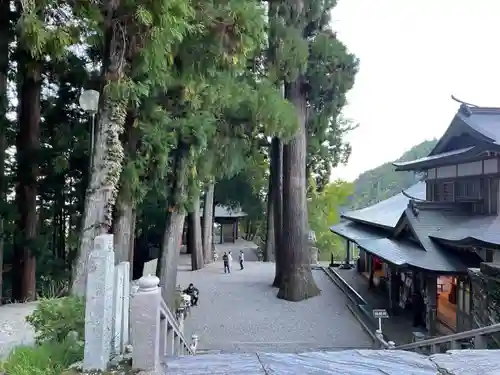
[[348, 362], [159, 347], [432, 356]]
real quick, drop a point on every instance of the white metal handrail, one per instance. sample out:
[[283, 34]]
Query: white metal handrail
[[478, 334]]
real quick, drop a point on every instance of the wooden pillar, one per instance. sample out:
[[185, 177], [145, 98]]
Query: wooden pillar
[[236, 229], [460, 304], [347, 263], [431, 313], [221, 233], [394, 282]]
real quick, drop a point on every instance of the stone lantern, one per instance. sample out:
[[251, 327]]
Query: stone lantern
[[312, 247]]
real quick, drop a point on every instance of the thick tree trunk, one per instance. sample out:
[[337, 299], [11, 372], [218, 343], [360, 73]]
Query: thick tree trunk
[[170, 256], [123, 230], [103, 188], [208, 222], [125, 214], [194, 236], [5, 38], [269, 251], [27, 145], [297, 283], [276, 177], [108, 153], [172, 237]]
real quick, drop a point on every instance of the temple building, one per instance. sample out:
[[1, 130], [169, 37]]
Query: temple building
[[425, 240]]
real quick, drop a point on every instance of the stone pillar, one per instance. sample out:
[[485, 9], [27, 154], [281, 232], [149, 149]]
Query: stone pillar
[[194, 343], [314, 255], [431, 313], [99, 304], [145, 319], [126, 307], [121, 305], [180, 314], [311, 240]]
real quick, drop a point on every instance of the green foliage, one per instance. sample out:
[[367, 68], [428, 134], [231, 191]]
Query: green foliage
[[383, 182], [54, 319], [50, 358], [323, 210], [330, 75]]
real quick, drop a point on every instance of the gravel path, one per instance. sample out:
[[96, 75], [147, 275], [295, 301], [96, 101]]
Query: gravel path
[[240, 313], [14, 330]]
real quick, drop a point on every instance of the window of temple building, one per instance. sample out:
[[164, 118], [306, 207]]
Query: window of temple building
[[467, 189], [444, 191]]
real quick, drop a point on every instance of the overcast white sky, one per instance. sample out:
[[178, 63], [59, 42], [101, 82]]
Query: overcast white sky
[[414, 55]]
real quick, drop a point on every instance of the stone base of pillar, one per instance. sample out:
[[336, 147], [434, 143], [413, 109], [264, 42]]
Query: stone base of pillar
[[345, 266]]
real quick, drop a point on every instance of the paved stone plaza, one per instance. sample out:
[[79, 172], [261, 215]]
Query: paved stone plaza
[[239, 312]]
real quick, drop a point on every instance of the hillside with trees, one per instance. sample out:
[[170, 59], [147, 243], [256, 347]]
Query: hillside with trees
[[383, 182]]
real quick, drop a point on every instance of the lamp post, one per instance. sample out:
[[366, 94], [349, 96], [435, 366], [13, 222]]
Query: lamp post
[[89, 102]]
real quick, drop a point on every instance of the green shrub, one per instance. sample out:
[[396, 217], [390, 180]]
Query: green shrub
[[50, 358], [54, 319]]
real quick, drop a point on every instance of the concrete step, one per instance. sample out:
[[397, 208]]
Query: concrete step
[[272, 347]]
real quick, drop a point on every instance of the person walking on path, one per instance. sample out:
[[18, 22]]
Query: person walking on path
[[230, 258], [225, 259], [242, 259]]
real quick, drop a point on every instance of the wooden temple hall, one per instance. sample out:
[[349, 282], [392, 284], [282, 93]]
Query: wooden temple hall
[[228, 220], [420, 245]]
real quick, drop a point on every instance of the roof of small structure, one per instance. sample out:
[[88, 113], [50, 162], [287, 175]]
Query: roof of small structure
[[227, 212], [385, 214], [377, 230]]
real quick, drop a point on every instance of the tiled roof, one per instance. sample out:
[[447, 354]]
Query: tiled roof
[[445, 157], [387, 213], [356, 231], [482, 123], [407, 254], [426, 223], [226, 212], [483, 229], [484, 120]]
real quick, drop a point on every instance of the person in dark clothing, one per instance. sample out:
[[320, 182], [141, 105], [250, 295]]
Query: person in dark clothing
[[193, 293], [242, 259], [225, 259]]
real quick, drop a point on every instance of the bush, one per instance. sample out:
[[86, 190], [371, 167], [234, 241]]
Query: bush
[[54, 319], [49, 358]]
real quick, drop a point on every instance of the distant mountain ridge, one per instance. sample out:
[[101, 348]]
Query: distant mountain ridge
[[383, 181]]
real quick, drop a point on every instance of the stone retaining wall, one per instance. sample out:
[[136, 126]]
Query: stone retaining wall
[[485, 283]]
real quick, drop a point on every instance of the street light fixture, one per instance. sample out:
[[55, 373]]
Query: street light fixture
[[89, 102]]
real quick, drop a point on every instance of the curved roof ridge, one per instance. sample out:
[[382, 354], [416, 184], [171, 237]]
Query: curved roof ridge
[[411, 197]]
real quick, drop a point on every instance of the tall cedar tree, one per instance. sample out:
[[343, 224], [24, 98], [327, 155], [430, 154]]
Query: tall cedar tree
[[317, 71]]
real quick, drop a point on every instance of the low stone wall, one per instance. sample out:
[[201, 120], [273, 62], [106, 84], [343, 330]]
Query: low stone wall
[[485, 282]]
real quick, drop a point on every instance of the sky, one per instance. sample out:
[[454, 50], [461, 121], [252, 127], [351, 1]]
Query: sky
[[413, 56]]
